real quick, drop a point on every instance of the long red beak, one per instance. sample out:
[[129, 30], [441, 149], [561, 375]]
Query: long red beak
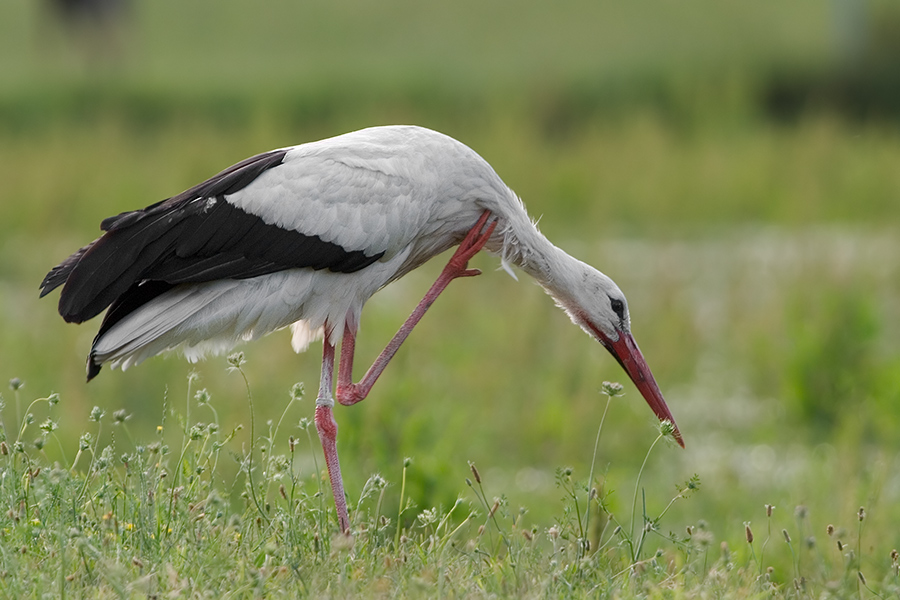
[[626, 351]]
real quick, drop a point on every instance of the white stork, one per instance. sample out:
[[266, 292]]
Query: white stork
[[302, 237]]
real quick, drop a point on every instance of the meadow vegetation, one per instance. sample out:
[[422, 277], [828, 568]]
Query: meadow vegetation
[[753, 225]]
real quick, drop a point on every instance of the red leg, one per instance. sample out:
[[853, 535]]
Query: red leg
[[327, 428], [347, 392]]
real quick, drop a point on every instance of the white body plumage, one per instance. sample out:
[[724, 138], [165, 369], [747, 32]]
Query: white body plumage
[[406, 193]]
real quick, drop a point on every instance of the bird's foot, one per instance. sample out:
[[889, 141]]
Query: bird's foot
[[469, 247]]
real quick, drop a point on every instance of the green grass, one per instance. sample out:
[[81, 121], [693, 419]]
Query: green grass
[[231, 45], [159, 516], [759, 255]]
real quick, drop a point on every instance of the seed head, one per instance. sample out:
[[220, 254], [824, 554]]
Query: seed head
[[829, 530], [861, 514], [236, 360], [748, 533], [862, 577], [801, 512], [475, 472], [554, 532], [840, 546], [703, 538], [667, 428], [769, 509], [202, 397], [611, 389], [895, 557], [787, 536], [15, 384]]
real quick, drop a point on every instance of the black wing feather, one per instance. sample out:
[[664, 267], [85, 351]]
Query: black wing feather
[[193, 237]]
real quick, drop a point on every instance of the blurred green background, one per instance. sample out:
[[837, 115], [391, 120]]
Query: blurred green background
[[734, 166]]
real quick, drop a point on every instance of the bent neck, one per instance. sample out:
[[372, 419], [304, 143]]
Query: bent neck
[[527, 248]]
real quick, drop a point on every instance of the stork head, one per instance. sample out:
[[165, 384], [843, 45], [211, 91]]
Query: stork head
[[595, 303]]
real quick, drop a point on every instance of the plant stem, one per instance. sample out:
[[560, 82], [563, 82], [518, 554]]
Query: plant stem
[[587, 517], [400, 509], [637, 485], [252, 442]]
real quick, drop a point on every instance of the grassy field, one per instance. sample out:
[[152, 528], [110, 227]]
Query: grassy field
[[758, 246]]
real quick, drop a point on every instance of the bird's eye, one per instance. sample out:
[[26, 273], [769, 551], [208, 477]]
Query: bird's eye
[[618, 307]]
